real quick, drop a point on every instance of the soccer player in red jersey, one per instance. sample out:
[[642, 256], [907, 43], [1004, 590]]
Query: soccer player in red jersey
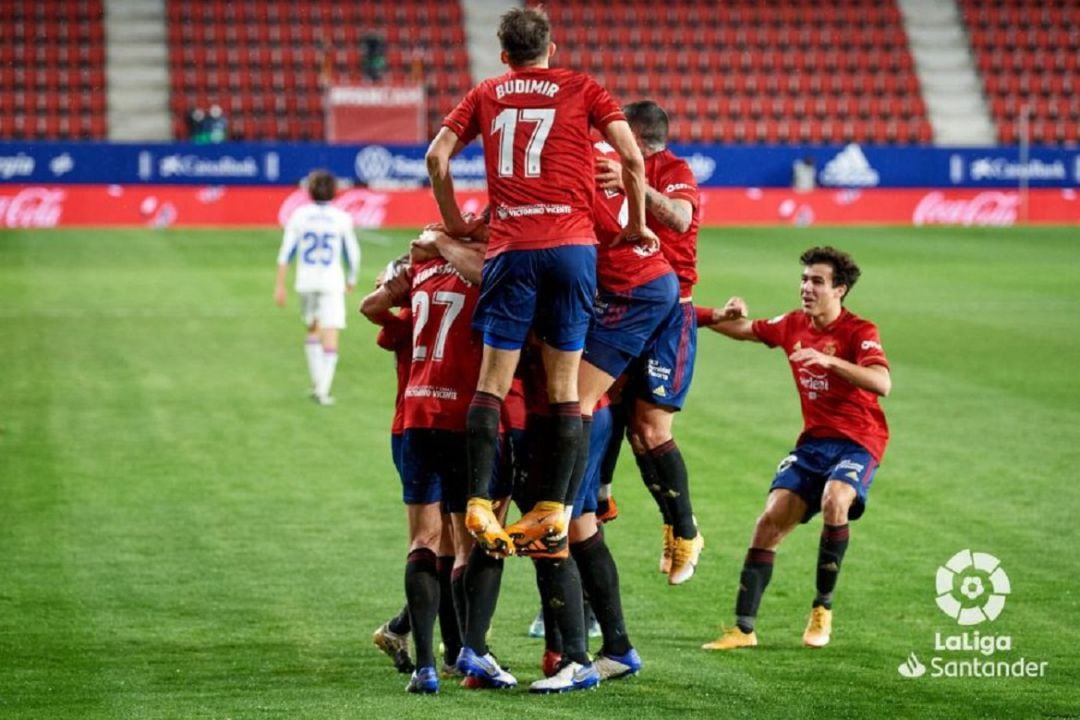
[[840, 370], [395, 335], [442, 376], [664, 372], [535, 122]]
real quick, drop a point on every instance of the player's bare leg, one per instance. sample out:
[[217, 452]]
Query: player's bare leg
[[314, 353], [328, 339], [652, 427], [836, 500], [783, 512], [482, 438]]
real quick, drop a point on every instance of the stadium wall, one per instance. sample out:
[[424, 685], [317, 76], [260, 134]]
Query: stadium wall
[[255, 185]]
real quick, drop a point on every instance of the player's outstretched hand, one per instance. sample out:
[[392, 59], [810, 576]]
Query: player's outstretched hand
[[279, 296], [609, 174], [644, 237], [734, 309]]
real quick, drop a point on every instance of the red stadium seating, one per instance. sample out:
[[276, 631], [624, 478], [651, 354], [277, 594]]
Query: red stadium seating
[[52, 70], [744, 70], [1027, 52], [255, 57]]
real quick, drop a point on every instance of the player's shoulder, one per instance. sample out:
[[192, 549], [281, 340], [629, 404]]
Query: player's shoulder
[[857, 324]]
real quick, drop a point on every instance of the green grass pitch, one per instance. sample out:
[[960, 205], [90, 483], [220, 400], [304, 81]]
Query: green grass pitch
[[183, 534]]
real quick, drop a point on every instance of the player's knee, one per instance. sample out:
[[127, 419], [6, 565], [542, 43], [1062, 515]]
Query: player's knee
[[834, 509], [650, 435], [769, 530]]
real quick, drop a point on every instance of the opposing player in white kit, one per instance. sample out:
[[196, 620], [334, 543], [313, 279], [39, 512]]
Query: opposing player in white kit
[[321, 238]]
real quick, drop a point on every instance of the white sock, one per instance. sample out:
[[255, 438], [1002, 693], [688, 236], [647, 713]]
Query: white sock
[[326, 376], [314, 353]]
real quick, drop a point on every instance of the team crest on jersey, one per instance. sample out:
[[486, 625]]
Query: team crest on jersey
[[829, 348]]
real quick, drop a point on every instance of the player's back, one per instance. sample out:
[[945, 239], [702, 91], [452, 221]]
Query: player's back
[[321, 238], [535, 124], [446, 352]]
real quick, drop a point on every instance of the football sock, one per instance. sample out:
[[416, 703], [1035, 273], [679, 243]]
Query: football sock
[[600, 581], [831, 549], [481, 440], [326, 379], [422, 592], [483, 577], [313, 351], [566, 434], [560, 592], [448, 622], [578, 473], [399, 624], [457, 590], [756, 573], [647, 467], [671, 468], [552, 636]]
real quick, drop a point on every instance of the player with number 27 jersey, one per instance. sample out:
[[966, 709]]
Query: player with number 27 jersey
[[445, 350], [535, 123]]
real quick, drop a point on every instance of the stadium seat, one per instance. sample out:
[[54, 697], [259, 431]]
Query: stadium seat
[[51, 53]]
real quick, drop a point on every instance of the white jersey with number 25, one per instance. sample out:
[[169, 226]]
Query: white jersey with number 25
[[321, 238]]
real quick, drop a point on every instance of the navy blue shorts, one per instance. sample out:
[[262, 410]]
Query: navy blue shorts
[[585, 502], [434, 468], [627, 324], [549, 290], [816, 461], [397, 441], [663, 373]]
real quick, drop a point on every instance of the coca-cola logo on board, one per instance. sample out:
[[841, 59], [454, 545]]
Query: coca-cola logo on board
[[32, 207], [985, 208], [368, 209]]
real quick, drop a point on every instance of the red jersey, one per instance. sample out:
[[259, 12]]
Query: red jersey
[[446, 352], [672, 177], [627, 265], [396, 336], [513, 407], [535, 125], [831, 406]]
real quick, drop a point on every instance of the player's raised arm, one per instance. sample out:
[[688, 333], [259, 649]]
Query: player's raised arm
[[445, 145], [620, 137]]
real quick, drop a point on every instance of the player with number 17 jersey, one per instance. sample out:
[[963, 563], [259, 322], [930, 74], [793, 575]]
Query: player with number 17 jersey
[[535, 124]]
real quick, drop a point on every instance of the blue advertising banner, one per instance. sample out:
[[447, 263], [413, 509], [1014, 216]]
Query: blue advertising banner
[[856, 166]]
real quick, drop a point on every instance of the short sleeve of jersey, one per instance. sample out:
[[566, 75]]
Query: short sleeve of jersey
[[868, 350], [679, 183], [463, 120], [603, 109], [771, 332]]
